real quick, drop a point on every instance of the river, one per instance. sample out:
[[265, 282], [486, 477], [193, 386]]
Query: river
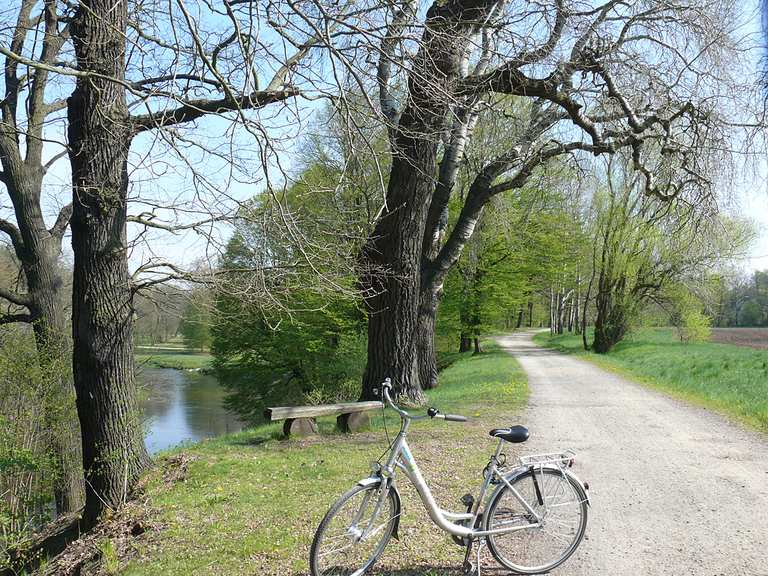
[[181, 406]]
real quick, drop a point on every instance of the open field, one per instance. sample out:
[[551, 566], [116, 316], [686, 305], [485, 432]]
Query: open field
[[730, 379], [750, 337], [174, 357], [250, 502]]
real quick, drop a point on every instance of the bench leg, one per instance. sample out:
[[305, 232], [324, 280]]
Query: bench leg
[[299, 427], [352, 422]]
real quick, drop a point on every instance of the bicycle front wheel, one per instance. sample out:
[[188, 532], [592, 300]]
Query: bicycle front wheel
[[562, 505], [352, 535]]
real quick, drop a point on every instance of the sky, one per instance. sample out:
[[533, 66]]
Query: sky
[[173, 181]]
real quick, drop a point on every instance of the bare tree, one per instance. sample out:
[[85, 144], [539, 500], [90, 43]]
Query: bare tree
[[148, 74], [31, 114]]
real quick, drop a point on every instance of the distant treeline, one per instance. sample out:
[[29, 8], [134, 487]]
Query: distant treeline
[[745, 302]]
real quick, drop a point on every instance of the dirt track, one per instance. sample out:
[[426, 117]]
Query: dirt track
[[675, 490], [749, 337]]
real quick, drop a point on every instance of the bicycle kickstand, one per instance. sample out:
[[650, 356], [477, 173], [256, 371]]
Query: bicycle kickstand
[[468, 569]]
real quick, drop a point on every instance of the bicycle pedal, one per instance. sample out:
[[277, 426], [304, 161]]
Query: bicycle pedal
[[468, 500]]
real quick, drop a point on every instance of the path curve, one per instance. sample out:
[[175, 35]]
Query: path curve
[[675, 489]]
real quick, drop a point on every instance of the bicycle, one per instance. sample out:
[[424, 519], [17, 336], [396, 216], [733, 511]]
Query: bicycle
[[532, 521]]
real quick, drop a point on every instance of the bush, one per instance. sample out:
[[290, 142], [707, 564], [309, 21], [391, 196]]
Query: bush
[[687, 315], [694, 327], [27, 467]]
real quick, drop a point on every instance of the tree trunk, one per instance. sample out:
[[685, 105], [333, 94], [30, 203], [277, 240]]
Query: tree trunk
[[530, 313], [38, 250], [611, 319], [465, 343], [519, 318], [478, 350], [393, 253], [114, 454], [426, 355], [54, 354]]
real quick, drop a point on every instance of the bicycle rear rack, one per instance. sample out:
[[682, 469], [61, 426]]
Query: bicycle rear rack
[[562, 459]]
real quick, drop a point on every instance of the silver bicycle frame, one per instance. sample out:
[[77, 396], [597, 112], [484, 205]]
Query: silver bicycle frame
[[401, 457]]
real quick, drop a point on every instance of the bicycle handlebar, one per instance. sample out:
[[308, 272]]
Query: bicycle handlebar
[[432, 412]]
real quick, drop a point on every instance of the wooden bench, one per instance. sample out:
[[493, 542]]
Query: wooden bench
[[300, 420]]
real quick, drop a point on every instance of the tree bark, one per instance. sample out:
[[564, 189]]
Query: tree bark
[[426, 355], [114, 454], [37, 247]]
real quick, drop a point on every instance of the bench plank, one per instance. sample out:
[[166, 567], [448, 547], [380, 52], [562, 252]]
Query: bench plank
[[286, 412]]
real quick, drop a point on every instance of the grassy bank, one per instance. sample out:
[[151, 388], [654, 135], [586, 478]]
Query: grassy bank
[[172, 357], [727, 378], [249, 503]]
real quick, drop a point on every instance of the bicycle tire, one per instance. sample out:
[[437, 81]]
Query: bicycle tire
[[565, 506], [320, 565]]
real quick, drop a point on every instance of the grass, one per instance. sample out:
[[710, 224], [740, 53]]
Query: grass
[[250, 502], [172, 357], [732, 380]]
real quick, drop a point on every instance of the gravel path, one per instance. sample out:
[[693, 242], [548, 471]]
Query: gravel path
[[675, 489]]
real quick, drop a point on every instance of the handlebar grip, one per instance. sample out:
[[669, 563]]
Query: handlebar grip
[[455, 418]]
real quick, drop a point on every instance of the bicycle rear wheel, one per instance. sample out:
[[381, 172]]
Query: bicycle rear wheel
[[538, 549], [352, 536]]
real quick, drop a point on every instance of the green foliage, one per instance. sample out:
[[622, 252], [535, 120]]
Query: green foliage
[[644, 246], [195, 326], [745, 301], [313, 355], [296, 342], [289, 328], [110, 562], [29, 411], [520, 245], [687, 316]]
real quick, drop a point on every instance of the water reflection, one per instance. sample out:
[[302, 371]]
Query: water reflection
[[180, 406]]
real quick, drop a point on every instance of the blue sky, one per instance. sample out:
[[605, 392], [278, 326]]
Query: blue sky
[[175, 181]]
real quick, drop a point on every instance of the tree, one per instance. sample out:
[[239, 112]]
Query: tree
[[195, 326], [597, 81], [643, 246], [178, 68], [30, 116]]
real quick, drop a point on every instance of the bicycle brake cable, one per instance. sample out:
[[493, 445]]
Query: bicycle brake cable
[[386, 432]]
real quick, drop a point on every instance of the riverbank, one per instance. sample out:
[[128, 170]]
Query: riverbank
[[726, 378], [175, 358], [249, 503]]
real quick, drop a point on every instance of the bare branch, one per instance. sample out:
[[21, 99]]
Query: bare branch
[[15, 318], [403, 15], [194, 109], [12, 231], [62, 221], [149, 221], [15, 297]]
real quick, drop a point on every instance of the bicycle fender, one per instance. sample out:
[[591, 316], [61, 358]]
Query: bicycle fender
[[511, 475], [584, 490], [375, 481]]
